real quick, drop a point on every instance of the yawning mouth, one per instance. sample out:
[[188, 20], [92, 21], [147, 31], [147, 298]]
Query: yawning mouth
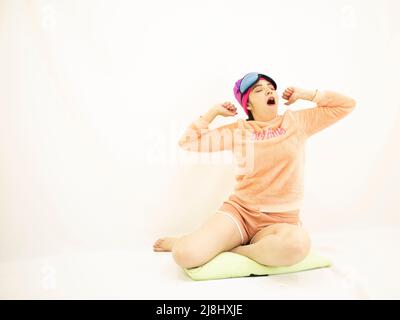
[[271, 100]]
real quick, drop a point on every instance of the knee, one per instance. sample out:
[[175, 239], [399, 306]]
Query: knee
[[186, 256], [296, 250]]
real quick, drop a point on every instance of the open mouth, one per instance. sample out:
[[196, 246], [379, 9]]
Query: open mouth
[[271, 100]]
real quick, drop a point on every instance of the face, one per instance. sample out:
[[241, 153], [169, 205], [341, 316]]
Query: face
[[263, 101]]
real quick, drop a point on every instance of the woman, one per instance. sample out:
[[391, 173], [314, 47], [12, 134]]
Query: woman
[[261, 217]]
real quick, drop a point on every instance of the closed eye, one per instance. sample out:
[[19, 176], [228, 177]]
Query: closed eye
[[272, 88]]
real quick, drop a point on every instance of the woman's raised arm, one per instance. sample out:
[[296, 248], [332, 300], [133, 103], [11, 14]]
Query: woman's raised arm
[[331, 107], [199, 138]]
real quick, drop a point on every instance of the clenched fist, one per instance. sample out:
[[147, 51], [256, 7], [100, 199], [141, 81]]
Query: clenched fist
[[291, 94], [226, 109]]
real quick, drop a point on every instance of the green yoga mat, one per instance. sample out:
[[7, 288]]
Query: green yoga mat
[[233, 265]]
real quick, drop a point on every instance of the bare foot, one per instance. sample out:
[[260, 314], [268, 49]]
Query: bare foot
[[164, 244]]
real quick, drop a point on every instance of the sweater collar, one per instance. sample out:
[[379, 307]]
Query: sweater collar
[[269, 123]]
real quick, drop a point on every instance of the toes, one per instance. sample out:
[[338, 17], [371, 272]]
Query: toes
[[158, 243], [158, 249]]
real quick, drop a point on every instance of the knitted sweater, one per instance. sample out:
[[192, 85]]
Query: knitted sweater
[[270, 166]]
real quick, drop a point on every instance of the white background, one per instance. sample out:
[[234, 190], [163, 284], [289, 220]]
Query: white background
[[94, 96]]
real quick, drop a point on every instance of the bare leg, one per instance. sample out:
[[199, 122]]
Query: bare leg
[[216, 235], [166, 244], [272, 250]]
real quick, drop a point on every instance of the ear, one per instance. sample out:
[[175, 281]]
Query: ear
[[249, 105]]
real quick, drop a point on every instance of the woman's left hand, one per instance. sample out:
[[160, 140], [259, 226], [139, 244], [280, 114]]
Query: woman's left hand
[[291, 94]]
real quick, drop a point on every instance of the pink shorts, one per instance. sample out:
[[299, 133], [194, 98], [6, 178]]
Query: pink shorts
[[250, 221]]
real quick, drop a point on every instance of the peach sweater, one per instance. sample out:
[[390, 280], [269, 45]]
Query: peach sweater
[[270, 167]]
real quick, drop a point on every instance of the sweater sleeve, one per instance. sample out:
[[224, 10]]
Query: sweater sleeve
[[199, 138], [331, 107]]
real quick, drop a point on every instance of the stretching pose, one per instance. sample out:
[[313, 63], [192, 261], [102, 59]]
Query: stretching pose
[[260, 219]]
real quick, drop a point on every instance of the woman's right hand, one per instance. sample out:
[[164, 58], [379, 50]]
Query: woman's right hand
[[228, 109], [225, 109]]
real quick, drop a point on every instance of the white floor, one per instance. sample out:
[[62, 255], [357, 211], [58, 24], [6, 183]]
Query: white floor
[[365, 267]]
